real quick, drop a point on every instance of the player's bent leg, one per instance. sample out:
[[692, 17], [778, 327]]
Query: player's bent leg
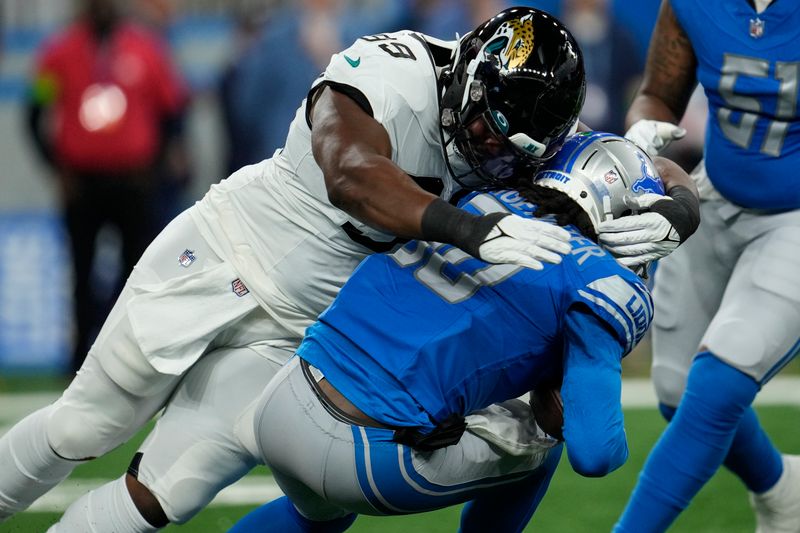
[[117, 389], [510, 507], [29, 465], [361, 469], [752, 456], [689, 285], [756, 330], [204, 440], [282, 514], [116, 513], [692, 447], [93, 416], [202, 443]]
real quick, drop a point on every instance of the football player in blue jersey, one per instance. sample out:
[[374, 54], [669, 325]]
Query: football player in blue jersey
[[395, 124], [384, 410], [728, 302]]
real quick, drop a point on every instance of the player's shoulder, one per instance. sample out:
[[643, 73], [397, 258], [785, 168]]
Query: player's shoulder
[[400, 63], [404, 44], [617, 295], [382, 54]]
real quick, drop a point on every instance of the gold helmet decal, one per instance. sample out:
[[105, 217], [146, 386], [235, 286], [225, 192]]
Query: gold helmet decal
[[512, 42], [521, 43]]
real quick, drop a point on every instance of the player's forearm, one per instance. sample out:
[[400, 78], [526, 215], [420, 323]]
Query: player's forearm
[[649, 107], [673, 176], [374, 190], [380, 194], [593, 425], [591, 389], [669, 74]]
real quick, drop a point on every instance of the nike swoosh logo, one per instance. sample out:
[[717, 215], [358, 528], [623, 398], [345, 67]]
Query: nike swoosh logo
[[353, 62]]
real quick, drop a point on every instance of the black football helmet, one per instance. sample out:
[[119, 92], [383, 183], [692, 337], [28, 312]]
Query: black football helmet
[[518, 79]]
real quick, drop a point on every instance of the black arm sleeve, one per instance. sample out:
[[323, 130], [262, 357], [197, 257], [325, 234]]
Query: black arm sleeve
[[683, 212], [442, 222]]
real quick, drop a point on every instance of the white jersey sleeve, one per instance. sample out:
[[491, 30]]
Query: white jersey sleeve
[[393, 78], [274, 222], [392, 72]]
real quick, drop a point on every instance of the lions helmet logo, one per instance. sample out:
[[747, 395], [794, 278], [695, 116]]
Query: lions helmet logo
[[649, 182]]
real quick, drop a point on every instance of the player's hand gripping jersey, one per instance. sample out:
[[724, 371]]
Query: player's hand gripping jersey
[[273, 216], [749, 66], [465, 334]]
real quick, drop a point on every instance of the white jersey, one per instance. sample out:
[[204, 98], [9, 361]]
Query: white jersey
[[273, 221]]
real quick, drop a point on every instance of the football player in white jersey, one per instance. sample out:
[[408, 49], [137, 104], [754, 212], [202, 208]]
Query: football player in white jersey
[[395, 121]]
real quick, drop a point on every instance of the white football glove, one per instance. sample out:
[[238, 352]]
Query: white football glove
[[524, 241], [638, 239], [654, 136]]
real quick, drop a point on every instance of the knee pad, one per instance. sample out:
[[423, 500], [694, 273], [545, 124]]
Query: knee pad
[[80, 433]]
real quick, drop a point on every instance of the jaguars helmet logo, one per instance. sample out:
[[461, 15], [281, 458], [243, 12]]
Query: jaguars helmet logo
[[512, 43]]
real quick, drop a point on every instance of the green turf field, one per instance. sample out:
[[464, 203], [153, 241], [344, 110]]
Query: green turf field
[[573, 504]]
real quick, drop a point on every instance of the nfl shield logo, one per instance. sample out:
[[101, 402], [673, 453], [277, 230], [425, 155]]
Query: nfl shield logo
[[239, 288], [756, 28], [610, 177], [186, 258]]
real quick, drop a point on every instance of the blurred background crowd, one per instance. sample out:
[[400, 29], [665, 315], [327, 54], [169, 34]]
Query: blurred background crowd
[[218, 82]]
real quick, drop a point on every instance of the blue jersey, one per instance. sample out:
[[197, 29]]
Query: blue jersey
[[429, 331], [749, 66]]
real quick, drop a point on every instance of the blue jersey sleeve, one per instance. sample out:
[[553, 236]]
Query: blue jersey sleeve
[[593, 424], [622, 301]]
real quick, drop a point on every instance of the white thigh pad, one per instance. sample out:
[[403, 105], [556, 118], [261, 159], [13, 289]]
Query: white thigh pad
[[95, 415], [758, 324]]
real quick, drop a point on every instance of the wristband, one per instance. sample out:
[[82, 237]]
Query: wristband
[[683, 211], [442, 222]]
